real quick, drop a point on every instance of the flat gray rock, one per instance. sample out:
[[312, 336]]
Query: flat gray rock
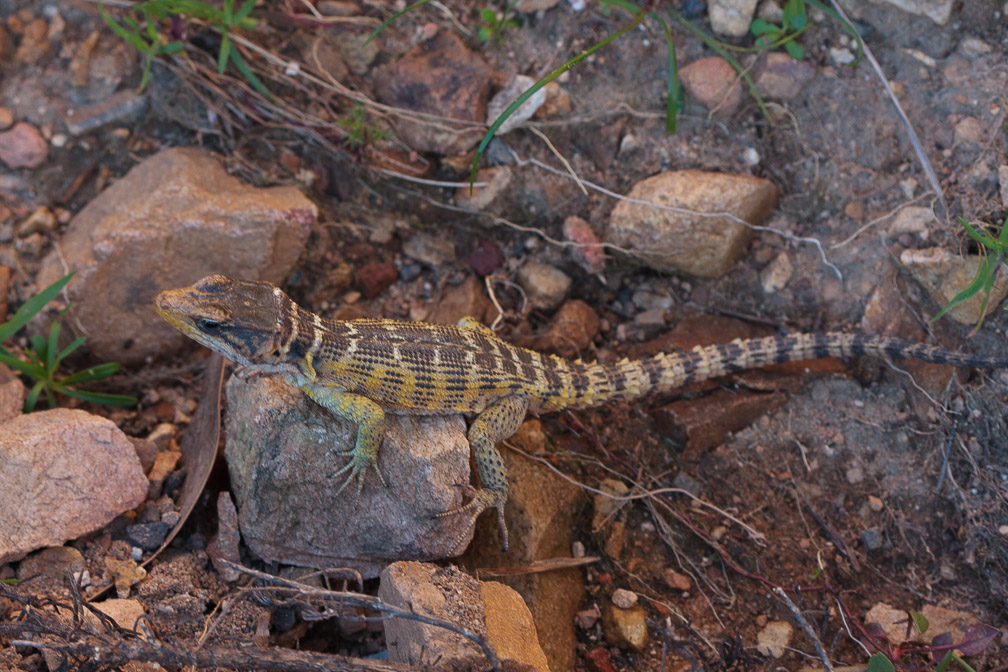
[[280, 452]]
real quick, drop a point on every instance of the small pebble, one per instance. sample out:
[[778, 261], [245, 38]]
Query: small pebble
[[624, 599]]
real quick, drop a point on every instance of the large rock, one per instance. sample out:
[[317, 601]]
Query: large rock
[[487, 608], [677, 240], [280, 452], [63, 473], [173, 219], [444, 78]]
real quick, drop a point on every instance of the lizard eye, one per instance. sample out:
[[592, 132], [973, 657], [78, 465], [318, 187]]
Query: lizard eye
[[207, 325]]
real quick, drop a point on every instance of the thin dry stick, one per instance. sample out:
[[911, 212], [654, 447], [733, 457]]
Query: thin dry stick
[[562, 159], [646, 494], [686, 211], [914, 140], [882, 218], [804, 625]]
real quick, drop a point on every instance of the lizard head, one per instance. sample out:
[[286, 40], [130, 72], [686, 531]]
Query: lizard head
[[239, 319]]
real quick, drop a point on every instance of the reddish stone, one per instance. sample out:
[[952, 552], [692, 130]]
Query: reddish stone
[[23, 146], [703, 423], [485, 259], [373, 278], [598, 660]]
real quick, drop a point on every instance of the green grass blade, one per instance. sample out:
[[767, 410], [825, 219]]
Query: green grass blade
[[27, 368], [76, 343], [529, 92], [975, 286], [1003, 236], [723, 53], [981, 238], [52, 347], [38, 344], [385, 24], [91, 373], [224, 54], [101, 397], [249, 75], [32, 399], [32, 307], [132, 38], [673, 91], [243, 13]]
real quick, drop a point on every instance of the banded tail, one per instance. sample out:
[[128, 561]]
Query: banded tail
[[577, 384]]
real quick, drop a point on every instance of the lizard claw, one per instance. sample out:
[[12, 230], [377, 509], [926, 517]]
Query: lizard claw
[[357, 468], [482, 500]]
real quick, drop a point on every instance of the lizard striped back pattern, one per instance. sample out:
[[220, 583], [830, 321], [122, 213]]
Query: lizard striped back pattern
[[360, 369]]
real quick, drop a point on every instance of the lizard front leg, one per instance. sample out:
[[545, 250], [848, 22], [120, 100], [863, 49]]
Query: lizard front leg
[[498, 421], [370, 420]]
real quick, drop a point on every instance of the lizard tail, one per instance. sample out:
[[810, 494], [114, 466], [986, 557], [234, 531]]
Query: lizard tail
[[578, 384]]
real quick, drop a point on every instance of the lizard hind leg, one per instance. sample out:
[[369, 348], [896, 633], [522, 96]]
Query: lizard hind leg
[[498, 421]]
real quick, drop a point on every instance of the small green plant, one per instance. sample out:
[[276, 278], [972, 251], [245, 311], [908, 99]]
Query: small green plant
[[45, 358], [993, 252], [494, 24], [793, 23], [148, 41], [942, 649], [359, 130]]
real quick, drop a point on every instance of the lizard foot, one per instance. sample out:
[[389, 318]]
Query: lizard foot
[[357, 468], [482, 500]]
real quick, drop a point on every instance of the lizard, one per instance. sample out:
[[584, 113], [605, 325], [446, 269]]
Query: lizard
[[364, 368]]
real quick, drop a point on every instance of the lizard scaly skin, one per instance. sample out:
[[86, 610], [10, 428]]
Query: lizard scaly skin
[[361, 369]]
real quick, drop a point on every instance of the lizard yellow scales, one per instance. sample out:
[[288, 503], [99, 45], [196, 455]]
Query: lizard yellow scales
[[362, 369]]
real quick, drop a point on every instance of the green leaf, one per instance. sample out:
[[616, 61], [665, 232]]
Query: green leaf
[[760, 27], [880, 663], [794, 50], [91, 373], [488, 15], [919, 621], [101, 397], [793, 16], [32, 307]]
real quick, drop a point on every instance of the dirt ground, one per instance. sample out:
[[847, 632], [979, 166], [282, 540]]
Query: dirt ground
[[868, 484]]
